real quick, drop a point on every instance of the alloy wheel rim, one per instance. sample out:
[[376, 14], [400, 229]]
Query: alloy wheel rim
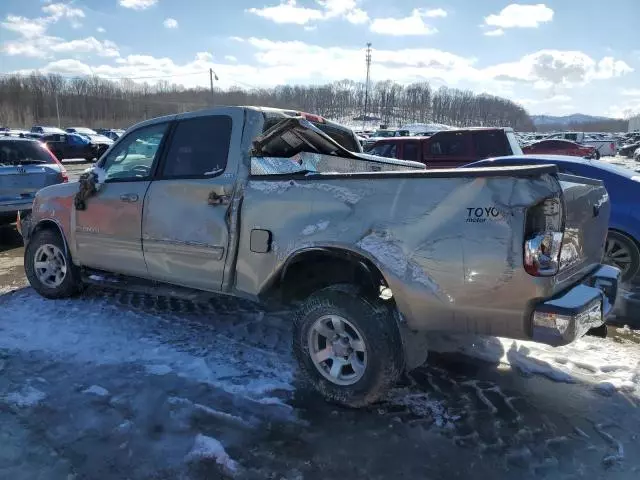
[[50, 265], [337, 350], [618, 255]]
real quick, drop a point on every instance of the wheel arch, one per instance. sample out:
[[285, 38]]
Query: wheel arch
[[52, 225], [321, 266]]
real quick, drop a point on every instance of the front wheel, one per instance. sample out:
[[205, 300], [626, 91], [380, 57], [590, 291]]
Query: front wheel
[[49, 268], [348, 347], [596, 155], [622, 251]]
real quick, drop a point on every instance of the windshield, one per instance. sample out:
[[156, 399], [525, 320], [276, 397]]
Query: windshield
[[86, 131], [384, 133]]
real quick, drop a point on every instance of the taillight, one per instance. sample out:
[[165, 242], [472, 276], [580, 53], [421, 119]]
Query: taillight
[[613, 146], [543, 238], [63, 171]]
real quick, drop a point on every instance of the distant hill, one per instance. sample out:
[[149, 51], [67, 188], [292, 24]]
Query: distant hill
[[578, 122], [567, 119]]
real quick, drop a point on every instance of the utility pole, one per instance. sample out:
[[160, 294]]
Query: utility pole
[[57, 110], [212, 75], [366, 86]]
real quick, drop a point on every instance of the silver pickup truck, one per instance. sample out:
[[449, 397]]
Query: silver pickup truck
[[272, 204]]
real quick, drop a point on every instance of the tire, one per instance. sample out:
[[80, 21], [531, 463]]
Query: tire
[[596, 155], [618, 249], [378, 353], [69, 284]]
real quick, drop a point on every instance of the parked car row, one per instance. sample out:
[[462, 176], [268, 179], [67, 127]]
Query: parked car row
[[74, 142]]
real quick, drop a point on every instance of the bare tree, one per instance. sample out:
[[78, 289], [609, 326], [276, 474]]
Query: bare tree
[[28, 100]]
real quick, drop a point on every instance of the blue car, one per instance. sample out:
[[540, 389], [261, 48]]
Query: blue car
[[623, 240]]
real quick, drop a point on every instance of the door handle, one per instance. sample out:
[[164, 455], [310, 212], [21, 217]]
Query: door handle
[[129, 197], [215, 199]]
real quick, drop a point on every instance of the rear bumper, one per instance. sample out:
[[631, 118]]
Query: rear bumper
[[568, 317]]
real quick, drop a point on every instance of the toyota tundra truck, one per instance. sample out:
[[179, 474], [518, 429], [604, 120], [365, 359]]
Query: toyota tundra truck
[[374, 253]]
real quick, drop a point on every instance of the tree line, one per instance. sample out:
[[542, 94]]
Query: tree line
[[96, 102], [604, 125]]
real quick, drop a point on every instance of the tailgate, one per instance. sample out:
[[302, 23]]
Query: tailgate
[[19, 183], [587, 210]]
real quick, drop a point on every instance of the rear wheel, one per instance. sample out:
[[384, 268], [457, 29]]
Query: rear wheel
[[49, 268], [348, 347], [622, 251], [596, 155]]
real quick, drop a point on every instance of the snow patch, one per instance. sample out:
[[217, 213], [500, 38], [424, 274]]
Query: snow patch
[[27, 397], [96, 390], [205, 447], [610, 367], [318, 227], [158, 369]]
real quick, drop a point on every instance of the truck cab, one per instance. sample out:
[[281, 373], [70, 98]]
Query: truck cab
[[450, 148]]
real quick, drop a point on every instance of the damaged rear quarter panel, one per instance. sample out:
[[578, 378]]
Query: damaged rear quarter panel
[[446, 272]]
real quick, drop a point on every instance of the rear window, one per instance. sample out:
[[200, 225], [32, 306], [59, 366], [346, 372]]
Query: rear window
[[12, 153]]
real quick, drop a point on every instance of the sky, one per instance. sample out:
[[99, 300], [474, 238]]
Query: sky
[[557, 58]]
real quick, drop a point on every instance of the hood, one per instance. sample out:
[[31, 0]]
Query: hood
[[297, 135]]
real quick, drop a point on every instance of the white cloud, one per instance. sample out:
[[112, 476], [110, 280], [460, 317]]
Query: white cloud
[[27, 27], [630, 92], [558, 68], [104, 48], [137, 4], [61, 10], [231, 58], [288, 11], [436, 12], [494, 33], [33, 40], [412, 25], [170, 23], [523, 16], [100, 30], [357, 16]]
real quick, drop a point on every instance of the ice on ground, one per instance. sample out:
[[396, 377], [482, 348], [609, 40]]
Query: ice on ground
[[94, 330], [158, 369], [610, 367], [205, 447], [96, 390], [26, 397]]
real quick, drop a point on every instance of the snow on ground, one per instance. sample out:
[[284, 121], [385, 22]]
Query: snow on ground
[[606, 365], [117, 385]]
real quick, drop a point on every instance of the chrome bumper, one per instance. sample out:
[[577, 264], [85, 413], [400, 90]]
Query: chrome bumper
[[567, 317]]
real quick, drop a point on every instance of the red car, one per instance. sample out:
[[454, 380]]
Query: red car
[[561, 147], [450, 148]]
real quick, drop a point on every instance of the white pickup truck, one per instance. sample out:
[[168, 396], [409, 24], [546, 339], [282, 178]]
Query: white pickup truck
[[603, 147]]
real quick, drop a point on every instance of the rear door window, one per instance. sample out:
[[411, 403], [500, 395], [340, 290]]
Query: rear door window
[[387, 150], [448, 145], [199, 148], [410, 151]]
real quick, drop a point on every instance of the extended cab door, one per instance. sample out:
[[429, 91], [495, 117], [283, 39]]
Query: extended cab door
[[185, 232], [108, 232]]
